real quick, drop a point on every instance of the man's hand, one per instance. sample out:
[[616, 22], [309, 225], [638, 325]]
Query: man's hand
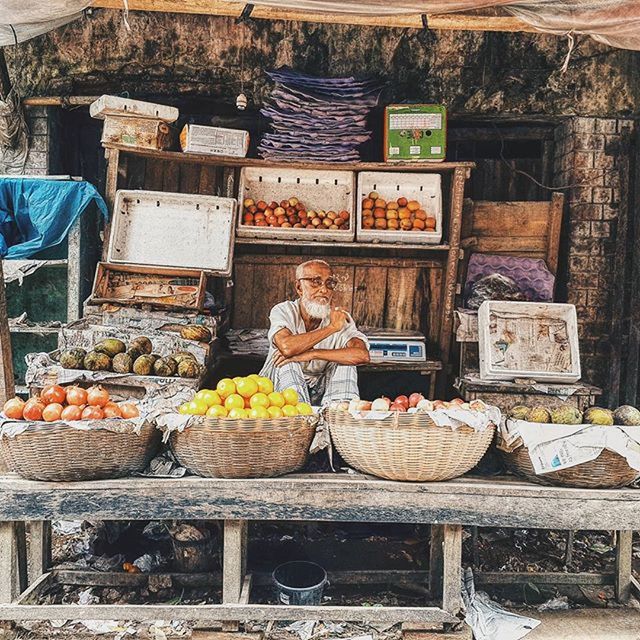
[[338, 318], [279, 360]]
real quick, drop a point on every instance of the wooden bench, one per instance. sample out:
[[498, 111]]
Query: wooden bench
[[495, 502]]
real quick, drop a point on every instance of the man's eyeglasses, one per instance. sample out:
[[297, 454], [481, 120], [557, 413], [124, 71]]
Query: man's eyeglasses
[[317, 282]]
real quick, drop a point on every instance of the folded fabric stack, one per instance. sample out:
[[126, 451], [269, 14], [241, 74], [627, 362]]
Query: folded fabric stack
[[317, 119]]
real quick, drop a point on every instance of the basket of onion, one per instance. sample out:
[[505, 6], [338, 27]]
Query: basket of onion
[[70, 433]]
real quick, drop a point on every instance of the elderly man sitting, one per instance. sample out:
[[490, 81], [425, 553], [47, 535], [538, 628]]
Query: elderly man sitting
[[314, 346]]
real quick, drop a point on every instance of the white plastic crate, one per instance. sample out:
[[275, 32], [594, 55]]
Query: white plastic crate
[[317, 189], [533, 340], [173, 230], [426, 188], [116, 106]]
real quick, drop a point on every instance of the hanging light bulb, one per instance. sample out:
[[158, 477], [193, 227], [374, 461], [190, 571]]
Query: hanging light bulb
[[241, 102]]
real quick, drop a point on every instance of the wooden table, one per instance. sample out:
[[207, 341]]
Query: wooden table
[[495, 502]]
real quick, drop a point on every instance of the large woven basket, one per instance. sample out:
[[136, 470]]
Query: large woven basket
[[608, 471], [219, 448], [408, 447], [57, 452]]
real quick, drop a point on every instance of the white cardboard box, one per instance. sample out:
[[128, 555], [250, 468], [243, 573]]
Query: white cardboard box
[[214, 141]]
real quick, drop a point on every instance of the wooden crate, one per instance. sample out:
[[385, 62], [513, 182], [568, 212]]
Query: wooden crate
[[316, 188], [141, 133], [533, 340], [164, 288], [426, 188]]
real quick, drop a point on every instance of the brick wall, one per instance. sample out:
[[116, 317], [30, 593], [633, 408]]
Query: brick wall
[[591, 155], [39, 122]]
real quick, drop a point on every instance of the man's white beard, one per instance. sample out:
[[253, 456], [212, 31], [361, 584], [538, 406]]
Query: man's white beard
[[316, 310]]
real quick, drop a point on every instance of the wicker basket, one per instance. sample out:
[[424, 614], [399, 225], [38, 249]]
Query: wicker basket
[[219, 448], [408, 447], [57, 452], [608, 471]]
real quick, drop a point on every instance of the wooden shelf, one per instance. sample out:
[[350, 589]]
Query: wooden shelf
[[227, 161], [37, 329], [342, 245]]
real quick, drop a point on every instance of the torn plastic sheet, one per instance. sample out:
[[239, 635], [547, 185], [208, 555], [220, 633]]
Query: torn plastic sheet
[[487, 619]]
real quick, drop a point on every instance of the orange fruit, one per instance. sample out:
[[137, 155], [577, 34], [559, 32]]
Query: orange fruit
[[254, 376], [209, 396], [238, 414], [275, 412], [276, 399], [226, 387], [259, 413], [259, 400], [289, 410], [197, 407], [216, 411], [291, 397], [184, 409], [304, 409], [234, 401], [380, 223], [265, 385], [246, 387]]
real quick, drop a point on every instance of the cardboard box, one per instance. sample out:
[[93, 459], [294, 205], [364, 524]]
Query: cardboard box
[[415, 132], [141, 133], [214, 141]]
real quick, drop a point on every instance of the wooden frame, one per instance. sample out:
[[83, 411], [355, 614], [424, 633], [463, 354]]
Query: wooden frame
[[453, 21], [316, 497]]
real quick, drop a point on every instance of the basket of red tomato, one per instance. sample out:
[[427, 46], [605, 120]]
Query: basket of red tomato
[[71, 433]]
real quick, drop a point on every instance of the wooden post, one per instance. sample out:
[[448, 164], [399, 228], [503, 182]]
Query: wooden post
[[624, 555], [436, 560], [9, 575], [39, 549], [7, 383], [452, 568], [234, 564], [111, 186]]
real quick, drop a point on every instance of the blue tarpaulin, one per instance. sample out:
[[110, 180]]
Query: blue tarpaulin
[[36, 214]]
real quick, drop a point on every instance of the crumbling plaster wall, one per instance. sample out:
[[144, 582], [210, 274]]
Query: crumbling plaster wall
[[471, 72]]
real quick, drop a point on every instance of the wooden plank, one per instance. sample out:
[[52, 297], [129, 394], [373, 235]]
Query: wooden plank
[[507, 219], [553, 233], [294, 260], [523, 246], [21, 554], [420, 632], [452, 568], [228, 161], [369, 293], [7, 381], [39, 548], [497, 502], [405, 300], [171, 176], [224, 612], [9, 578], [624, 557], [436, 560], [352, 246], [234, 560], [30, 595], [243, 277], [543, 577], [208, 180], [189, 178], [452, 21], [154, 174]]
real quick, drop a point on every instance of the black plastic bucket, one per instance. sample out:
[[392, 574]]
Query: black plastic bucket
[[299, 582]]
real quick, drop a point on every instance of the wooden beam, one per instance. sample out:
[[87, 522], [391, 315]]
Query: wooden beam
[[7, 383], [624, 556], [448, 22]]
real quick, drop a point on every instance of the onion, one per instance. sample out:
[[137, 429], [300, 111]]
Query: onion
[[97, 396], [13, 408], [52, 412], [53, 394], [76, 396]]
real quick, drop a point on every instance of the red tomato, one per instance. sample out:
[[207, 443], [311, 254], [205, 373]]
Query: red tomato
[[402, 400], [112, 410], [33, 409], [13, 408], [52, 412], [97, 396], [72, 412], [53, 394], [92, 413], [129, 410], [76, 396]]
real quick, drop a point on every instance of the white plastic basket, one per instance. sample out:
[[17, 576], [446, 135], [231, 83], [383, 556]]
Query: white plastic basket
[[316, 188], [426, 188], [174, 230]]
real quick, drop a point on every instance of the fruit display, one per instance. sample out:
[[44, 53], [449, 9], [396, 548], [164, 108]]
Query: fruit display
[[395, 215], [292, 213], [625, 415], [114, 355], [250, 397], [69, 403], [412, 403]]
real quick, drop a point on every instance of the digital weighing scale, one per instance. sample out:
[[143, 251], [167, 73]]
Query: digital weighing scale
[[389, 345]]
